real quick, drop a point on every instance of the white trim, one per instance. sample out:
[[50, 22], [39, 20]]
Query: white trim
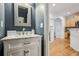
[[46, 30], [17, 18]]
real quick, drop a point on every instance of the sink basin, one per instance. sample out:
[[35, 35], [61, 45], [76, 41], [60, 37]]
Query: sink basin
[[30, 35], [25, 33], [18, 34]]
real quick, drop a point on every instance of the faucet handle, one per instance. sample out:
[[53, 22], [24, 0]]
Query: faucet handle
[[23, 29]]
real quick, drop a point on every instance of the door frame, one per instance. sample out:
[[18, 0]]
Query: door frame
[[46, 29]]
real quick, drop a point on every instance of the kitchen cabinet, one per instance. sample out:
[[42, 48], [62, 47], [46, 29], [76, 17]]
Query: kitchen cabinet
[[71, 21], [74, 38]]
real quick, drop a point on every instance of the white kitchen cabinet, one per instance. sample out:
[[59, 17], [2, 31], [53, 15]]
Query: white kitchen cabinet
[[74, 38], [22, 46]]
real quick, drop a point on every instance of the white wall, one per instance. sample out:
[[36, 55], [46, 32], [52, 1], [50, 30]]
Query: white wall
[[51, 29]]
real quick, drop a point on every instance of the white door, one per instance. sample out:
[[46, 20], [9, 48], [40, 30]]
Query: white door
[[57, 28]]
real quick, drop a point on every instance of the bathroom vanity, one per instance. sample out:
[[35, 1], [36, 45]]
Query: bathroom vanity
[[22, 45], [74, 38]]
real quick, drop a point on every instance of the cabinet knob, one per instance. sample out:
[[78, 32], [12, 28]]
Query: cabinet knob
[[25, 52], [27, 43]]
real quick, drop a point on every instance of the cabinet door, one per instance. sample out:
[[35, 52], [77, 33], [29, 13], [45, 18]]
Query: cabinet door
[[34, 50], [31, 47], [14, 43], [31, 51], [14, 48]]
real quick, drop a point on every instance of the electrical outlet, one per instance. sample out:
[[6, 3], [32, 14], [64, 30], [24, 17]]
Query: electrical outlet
[[1, 23], [41, 25]]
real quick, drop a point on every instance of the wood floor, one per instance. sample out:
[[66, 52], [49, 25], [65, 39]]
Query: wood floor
[[61, 47]]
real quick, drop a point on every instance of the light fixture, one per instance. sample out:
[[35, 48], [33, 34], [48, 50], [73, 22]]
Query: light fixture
[[53, 4], [42, 7], [68, 13]]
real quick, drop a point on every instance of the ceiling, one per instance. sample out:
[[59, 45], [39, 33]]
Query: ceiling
[[61, 9]]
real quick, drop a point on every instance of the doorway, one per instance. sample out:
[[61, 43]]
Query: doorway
[[58, 28], [64, 17]]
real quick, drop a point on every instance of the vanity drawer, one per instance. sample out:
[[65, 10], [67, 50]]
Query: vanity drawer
[[19, 52], [31, 50], [14, 43], [30, 41]]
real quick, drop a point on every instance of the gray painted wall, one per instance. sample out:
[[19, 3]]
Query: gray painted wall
[[9, 18]]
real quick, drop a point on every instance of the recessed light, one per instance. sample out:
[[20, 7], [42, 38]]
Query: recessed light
[[42, 7], [53, 4], [68, 13]]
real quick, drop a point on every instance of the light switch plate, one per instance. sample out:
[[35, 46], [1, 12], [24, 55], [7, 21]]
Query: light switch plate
[[2, 24], [41, 25]]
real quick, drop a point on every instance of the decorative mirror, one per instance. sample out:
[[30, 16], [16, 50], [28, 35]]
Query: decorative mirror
[[22, 14]]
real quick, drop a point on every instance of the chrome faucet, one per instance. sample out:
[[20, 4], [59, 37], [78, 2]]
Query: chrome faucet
[[23, 31]]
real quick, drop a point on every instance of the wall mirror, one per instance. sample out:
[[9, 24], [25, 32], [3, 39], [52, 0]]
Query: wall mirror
[[22, 14]]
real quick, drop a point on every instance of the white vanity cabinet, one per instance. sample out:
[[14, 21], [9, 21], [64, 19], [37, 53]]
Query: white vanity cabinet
[[32, 47], [23, 46]]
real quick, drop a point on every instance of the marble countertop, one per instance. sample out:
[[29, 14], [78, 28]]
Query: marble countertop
[[20, 37], [76, 29]]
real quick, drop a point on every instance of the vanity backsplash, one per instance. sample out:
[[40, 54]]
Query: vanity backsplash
[[14, 32]]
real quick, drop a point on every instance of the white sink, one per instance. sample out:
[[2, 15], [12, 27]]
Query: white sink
[[20, 36], [15, 35]]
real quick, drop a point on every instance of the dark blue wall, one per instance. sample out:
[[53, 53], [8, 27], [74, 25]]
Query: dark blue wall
[[40, 19], [9, 18], [2, 29], [36, 20], [2, 20]]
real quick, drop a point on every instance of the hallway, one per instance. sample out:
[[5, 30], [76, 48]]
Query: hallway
[[61, 47]]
